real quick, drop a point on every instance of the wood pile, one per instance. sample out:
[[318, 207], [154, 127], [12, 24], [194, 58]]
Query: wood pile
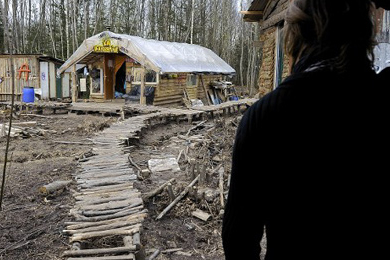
[[221, 91], [195, 196], [205, 156], [24, 130]]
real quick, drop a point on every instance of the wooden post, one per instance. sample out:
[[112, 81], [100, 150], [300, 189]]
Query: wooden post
[[209, 102], [170, 192], [192, 168], [74, 84], [142, 98]]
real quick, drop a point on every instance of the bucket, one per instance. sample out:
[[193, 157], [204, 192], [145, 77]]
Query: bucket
[[28, 95]]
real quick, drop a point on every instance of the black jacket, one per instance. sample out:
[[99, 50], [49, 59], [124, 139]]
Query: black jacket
[[310, 162]]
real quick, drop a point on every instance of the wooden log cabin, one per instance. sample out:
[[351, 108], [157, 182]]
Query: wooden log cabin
[[32, 70], [274, 63], [148, 71]]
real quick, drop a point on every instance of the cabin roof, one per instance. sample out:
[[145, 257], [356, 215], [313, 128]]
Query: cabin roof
[[160, 56], [256, 7]]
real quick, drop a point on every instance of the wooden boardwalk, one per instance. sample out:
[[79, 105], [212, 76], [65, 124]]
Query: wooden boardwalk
[[104, 108], [118, 108], [38, 106], [107, 203]]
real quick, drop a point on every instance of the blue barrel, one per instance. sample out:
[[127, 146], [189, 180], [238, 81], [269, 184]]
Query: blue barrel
[[28, 95]]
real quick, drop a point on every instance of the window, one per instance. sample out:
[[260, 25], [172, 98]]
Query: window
[[97, 81], [279, 57], [192, 80], [137, 75], [151, 76]]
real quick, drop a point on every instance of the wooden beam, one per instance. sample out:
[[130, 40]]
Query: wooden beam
[[270, 8], [273, 20], [252, 12], [74, 84], [248, 20], [142, 98]]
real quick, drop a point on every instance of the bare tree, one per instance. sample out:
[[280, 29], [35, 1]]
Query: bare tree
[[58, 26], [5, 25]]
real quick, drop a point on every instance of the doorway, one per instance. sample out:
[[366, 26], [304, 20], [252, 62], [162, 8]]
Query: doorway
[[109, 63], [120, 81]]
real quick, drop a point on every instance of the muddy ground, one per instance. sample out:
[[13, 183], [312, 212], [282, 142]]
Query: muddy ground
[[31, 224]]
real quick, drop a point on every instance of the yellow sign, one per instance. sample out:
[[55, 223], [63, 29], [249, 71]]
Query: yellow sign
[[106, 47]]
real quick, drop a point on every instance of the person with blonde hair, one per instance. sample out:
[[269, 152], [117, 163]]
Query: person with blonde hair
[[310, 157]]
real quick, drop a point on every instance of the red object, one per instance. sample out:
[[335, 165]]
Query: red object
[[24, 68]]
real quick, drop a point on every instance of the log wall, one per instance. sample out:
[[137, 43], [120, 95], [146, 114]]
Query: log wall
[[274, 15], [267, 67], [170, 89]]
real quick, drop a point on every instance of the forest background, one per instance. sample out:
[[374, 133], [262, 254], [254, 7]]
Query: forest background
[[58, 27]]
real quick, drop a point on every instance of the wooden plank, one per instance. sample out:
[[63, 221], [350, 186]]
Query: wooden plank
[[113, 232], [100, 212], [272, 20], [269, 8], [252, 12], [201, 215], [82, 225], [205, 91], [118, 224], [112, 205], [101, 198], [105, 174], [106, 190], [118, 257], [106, 181], [121, 212], [100, 251]]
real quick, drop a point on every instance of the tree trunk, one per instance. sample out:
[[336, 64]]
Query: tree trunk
[[54, 51], [67, 13], [74, 27], [192, 21], [5, 25], [14, 26], [86, 19]]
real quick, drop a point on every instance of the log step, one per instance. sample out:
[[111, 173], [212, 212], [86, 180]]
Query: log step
[[100, 251], [117, 257]]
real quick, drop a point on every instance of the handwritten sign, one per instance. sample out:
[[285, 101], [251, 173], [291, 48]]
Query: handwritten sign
[[106, 46]]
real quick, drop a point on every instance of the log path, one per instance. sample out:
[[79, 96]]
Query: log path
[[107, 205]]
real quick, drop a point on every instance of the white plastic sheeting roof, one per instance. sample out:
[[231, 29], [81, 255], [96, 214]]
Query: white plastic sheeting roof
[[160, 56]]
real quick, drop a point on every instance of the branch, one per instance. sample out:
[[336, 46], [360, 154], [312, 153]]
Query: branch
[[10, 120], [178, 198]]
